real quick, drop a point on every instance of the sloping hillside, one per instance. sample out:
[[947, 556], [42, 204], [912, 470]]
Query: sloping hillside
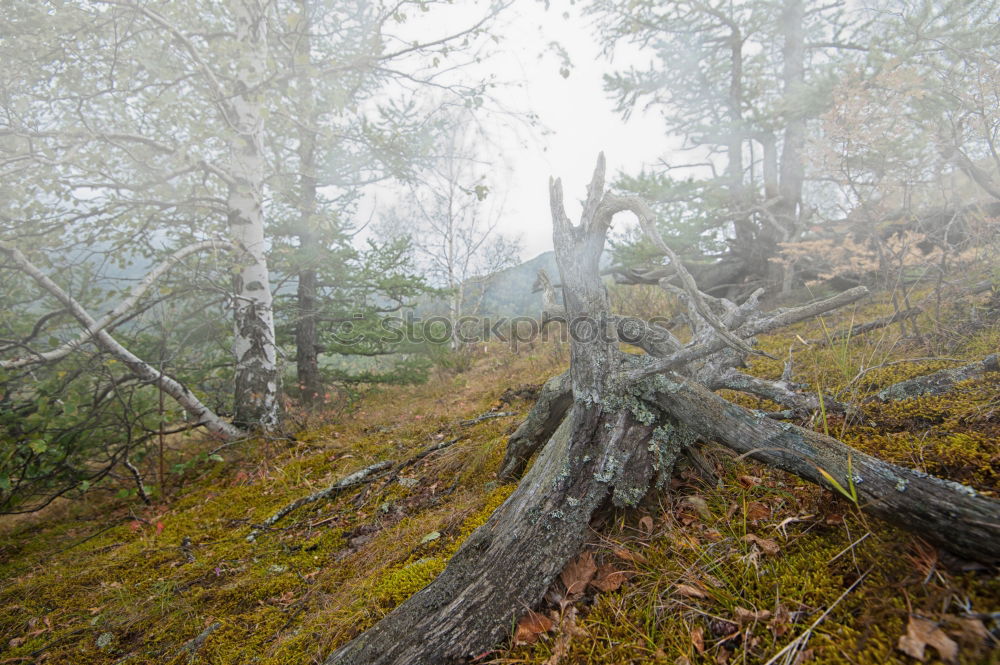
[[735, 564]]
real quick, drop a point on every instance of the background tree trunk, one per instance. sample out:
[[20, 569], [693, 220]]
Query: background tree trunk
[[307, 298]]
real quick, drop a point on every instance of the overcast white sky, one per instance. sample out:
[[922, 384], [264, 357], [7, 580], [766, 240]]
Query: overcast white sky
[[575, 110]]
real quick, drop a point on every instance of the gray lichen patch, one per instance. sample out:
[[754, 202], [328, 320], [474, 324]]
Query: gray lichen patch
[[666, 444], [628, 496]]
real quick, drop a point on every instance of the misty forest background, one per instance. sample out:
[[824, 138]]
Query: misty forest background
[[226, 223]]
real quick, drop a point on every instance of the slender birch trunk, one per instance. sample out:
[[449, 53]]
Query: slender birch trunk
[[254, 346]]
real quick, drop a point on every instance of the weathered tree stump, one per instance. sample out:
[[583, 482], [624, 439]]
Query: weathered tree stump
[[611, 428]]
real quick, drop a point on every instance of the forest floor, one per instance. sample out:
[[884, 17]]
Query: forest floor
[[732, 565]]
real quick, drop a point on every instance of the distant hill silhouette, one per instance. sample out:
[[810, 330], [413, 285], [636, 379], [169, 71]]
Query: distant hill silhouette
[[509, 292]]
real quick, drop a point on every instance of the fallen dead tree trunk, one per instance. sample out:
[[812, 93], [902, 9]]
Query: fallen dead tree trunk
[[950, 515], [939, 382], [611, 429]]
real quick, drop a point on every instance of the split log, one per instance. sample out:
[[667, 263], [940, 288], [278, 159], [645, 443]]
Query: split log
[[549, 410]]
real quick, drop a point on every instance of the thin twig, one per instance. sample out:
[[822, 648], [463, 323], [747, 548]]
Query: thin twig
[[487, 416]]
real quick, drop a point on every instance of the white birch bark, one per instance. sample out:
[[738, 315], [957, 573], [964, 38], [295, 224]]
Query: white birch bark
[[257, 372], [201, 413], [118, 311]]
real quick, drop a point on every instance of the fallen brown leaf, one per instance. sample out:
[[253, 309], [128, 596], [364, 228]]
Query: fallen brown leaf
[[745, 616], [578, 573], [530, 627], [766, 545], [921, 633], [608, 578], [972, 632], [629, 555], [698, 639], [757, 511], [690, 591], [646, 524]]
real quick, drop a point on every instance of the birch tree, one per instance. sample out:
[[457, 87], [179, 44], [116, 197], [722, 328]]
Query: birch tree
[[142, 132], [454, 219], [258, 377]]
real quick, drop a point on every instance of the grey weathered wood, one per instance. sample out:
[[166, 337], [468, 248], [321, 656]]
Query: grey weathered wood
[[549, 410], [953, 516], [507, 564], [939, 382], [866, 327]]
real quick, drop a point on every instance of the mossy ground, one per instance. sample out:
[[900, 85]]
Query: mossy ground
[[105, 582]]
